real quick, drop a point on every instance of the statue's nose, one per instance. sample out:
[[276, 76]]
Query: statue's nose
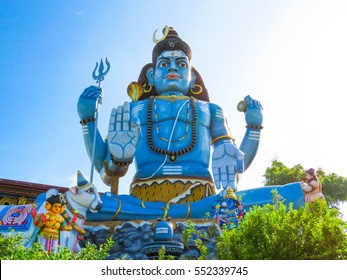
[[173, 66], [99, 206]]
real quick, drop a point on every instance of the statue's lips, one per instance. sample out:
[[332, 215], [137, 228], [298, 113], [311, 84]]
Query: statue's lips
[[172, 77]]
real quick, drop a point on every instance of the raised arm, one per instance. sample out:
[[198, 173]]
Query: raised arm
[[254, 119], [86, 108], [227, 159]]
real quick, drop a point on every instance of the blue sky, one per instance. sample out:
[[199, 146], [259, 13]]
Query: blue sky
[[290, 55]]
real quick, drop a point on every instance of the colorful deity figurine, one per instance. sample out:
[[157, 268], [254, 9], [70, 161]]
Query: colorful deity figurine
[[229, 212], [51, 223], [170, 128]]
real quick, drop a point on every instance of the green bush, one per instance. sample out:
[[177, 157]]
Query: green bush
[[273, 232], [11, 248]]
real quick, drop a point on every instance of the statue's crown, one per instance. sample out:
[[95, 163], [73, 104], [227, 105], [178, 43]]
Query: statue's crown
[[230, 194], [169, 41]]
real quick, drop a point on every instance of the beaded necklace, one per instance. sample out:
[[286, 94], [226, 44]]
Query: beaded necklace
[[171, 154]]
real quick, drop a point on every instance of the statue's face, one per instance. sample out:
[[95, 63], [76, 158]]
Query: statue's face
[[172, 74], [56, 208], [308, 176]]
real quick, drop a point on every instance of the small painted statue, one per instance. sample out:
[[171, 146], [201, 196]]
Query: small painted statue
[[311, 187], [229, 212], [51, 223]]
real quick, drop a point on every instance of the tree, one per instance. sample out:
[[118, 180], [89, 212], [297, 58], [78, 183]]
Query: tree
[[334, 186], [279, 174], [273, 232]]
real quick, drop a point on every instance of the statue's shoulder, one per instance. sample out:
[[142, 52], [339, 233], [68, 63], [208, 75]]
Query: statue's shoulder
[[135, 103], [211, 106], [138, 104], [314, 183]]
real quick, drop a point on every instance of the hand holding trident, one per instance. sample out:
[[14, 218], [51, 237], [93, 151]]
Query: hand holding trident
[[98, 78]]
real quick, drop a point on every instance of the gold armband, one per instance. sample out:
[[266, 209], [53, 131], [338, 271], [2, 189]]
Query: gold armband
[[221, 137]]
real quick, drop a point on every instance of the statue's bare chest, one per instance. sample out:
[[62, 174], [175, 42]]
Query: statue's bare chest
[[157, 110]]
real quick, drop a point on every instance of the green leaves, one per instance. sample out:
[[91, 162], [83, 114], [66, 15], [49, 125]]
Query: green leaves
[[276, 233], [279, 174], [11, 248]]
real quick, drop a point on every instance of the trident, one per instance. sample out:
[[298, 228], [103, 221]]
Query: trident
[[98, 78]]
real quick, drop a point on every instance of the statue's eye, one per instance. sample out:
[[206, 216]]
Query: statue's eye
[[182, 64], [163, 64], [90, 191]]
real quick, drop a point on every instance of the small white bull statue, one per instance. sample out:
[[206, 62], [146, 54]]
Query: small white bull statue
[[79, 199]]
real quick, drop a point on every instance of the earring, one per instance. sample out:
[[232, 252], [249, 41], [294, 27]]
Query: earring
[[196, 92], [147, 90]]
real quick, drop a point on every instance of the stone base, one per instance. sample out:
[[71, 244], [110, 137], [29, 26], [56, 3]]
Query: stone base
[[131, 237]]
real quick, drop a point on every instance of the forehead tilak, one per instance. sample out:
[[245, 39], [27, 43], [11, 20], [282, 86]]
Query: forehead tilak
[[172, 53]]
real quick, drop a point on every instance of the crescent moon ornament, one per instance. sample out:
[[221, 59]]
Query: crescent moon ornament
[[165, 32]]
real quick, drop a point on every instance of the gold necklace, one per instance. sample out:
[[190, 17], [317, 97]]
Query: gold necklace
[[172, 98], [52, 221]]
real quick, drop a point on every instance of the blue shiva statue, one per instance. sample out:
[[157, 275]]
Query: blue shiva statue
[[169, 128]]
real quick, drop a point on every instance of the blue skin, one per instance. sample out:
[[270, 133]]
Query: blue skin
[[172, 75]]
